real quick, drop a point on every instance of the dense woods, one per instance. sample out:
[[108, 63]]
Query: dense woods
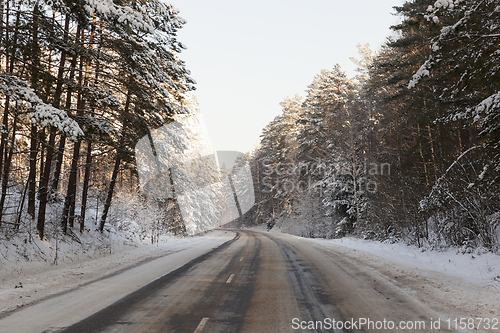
[[408, 150], [80, 83]]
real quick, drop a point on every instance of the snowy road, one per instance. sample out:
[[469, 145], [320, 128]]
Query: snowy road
[[255, 282]]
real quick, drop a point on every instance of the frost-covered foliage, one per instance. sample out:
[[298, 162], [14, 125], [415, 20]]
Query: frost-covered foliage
[[438, 6], [325, 111], [311, 181], [461, 212], [308, 219], [140, 217], [133, 221], [463, 67], [465, 56], [98, 72], [39, 112], [417, 139]]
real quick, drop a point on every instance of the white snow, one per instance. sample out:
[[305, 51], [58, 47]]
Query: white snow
[[487, 106], [438, 5], [422, 71], [40, 113], [478, 266]]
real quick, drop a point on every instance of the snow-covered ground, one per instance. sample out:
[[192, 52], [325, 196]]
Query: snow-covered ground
[[32, 271], [476, 266]]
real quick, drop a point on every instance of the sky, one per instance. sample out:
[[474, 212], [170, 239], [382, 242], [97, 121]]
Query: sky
[[247, 56]]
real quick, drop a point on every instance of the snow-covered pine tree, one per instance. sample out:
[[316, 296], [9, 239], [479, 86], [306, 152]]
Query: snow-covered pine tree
[[464, 58], [275, 162], [326, 144], [120, 47]]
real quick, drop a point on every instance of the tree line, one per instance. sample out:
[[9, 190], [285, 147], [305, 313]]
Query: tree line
[[80, 83], [407, 150]]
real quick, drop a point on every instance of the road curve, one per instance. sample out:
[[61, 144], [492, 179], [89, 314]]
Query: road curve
[[265, 282]]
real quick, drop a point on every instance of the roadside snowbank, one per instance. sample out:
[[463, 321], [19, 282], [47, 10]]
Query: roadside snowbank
[[478, 266]]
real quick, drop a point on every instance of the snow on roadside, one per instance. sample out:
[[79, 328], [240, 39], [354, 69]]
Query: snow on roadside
[[29, 273], [479, 266]]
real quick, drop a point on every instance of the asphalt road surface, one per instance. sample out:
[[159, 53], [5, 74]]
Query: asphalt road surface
[[264, 282]]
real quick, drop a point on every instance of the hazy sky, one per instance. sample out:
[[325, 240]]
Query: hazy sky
[[247, 56]]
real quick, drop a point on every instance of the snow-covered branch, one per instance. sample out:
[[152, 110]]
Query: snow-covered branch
[[438, 42], [438, 184], [440, 5], [40, 113]]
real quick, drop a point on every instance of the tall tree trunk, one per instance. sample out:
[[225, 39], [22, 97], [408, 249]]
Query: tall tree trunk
[[88, 160], [7, 18], [2, 8], [116, 169], [69, 202], [14, 40], [6, 169], [111, 188], [42, 138], [62, 143], [56, 176], [5, 128], [35, 50], [86, 181], [32, 172], [5, 122], [433, 152], [44, 182], [68, 215], [60, 73], [420, 138]]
